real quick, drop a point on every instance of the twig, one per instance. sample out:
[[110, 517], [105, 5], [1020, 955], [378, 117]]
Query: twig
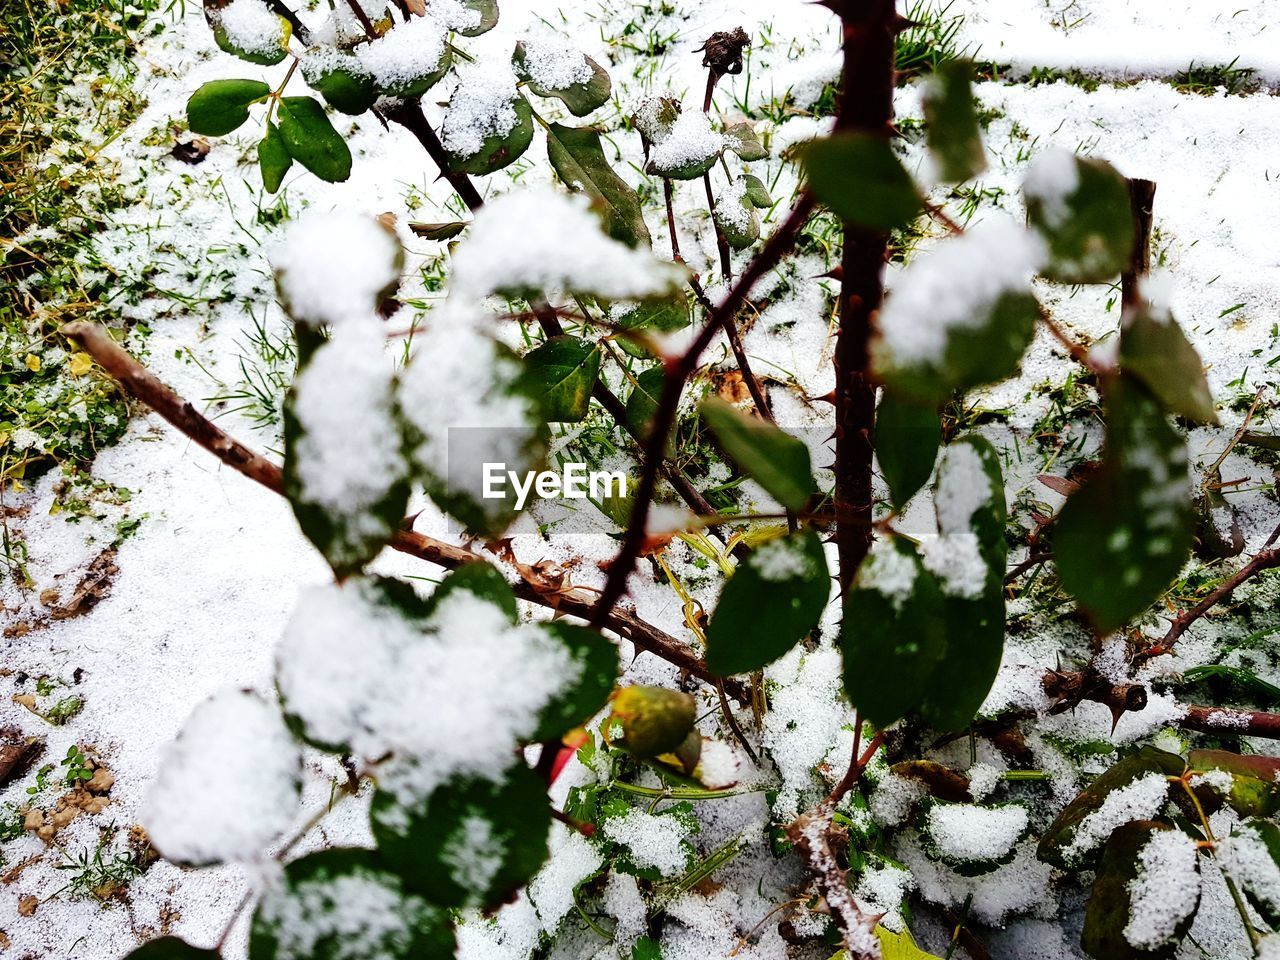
[[1226, 721], [1142, 196], [678, 372], [363, 17], [1235, 438], [1266, 560], [147, 388]]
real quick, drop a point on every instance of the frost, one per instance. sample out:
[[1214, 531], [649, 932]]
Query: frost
[[454, 699], [1139, 800], [251, 26], [227, 787], [1051, 179], [963, 832], [539, 238], [953, 287], [409, 52], [333, 267], [781, 559], [1165, 891], [482, 105], [690, 141], [554, 63], [655, 842]]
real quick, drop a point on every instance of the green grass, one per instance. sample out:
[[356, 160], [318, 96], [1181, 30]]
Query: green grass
[[1208, 80], [65, 93]]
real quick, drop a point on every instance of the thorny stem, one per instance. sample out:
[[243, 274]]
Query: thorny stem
[[677, 372], [576, 601], [363, 17]]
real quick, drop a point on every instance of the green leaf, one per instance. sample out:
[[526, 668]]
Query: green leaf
[[860, 178], [343, 904], [947, 831], [891, 633], [221, 106], [565, 370], [954, 134], [481, 579], [488, 10], [663, 316], [598, 665], [1110, 906], [907, 436], [646, 949], [774, 459], [1251, 857], [171, 948], [1060, 844], [737, 219], [744, 142], [1123, 536], [968, 558], [757, 193], [642, 402], [471, 843], [497, 151], [348, 88], [1081, 208], [578, 158], [773, 600], [438, 231], [650, 721], [581, 98], [1255, 781], [273, 158], [311, 139], [348, 510], [1156, 351]]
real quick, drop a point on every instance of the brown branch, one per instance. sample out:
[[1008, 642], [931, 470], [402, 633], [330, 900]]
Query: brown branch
[[408, 113], [363, 17], [1227, 721], [1142, 195], [144, 386], [1266, 560], [664, 418], [722, 242]]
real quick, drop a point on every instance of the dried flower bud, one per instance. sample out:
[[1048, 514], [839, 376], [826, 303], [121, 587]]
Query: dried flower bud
[[722, 52]]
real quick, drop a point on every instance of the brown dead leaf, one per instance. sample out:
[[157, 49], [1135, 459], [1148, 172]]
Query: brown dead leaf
[[16, 872], [93, 586], [27, 906]]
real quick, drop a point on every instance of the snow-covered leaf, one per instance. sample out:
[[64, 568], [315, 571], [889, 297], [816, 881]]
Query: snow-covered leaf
[[774, 459], [974, 840], [968, 560], [171, 948], [228, 785], [681, 150], [409, 59], [488, 124], [1123, 536], [1251, 857], [1155, 350], [954, 135], [343, 904], [1255, 781], [344, 82], [1135, 788], [482, 580], [346, 471], [578, 158], [1080, 206], [488, 17], [273, 158], [773, 600], [650, 721], [891, 634], [743, 141], [249, 29], [907, 438], [221, 106], [736, 216], [311, 139], [860, 178], [564, 371], [660, 316], [596, 669], [1145, 896], [553, 67], [470, 843], [961, 315]]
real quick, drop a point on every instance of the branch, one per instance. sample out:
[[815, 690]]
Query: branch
[[1265, 560], [1225, 720], [144, 386], [664, 418], [1142, 196]]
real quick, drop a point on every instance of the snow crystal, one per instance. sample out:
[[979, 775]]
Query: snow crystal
[[1165, 891], [954, 286], [573, 859], [656, 842], [690, 140], [1220, 781], [418, 693], [332, 267], [348, 455], [227, 787], [454, 15], [251, 26], [781, 559], [482, 105], [889, 572], [983, 779], [622, 900], [1246, 859], [1051, 179], [893, 798], [409, 52], [1139, 800], [963, 832], [538, 238], [554, 63]]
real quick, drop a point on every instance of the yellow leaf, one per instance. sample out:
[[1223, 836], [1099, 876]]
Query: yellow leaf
[[900, 946], [80, 364], [33, 363]]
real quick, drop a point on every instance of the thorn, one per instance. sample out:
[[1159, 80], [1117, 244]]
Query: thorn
[[825, 398]]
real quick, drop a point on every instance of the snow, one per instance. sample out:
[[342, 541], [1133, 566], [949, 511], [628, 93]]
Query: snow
[[888, 571], [505, 251], [1165, 891], [1051, 179], [781, 559], [690, 140], [482, 105], [656, 842], [407, 53], [252, 27], [963, 832], [227, 787], [1138, 800], [553, 63], [1245, 858], [573, 859], [952, 287], [332, 268]]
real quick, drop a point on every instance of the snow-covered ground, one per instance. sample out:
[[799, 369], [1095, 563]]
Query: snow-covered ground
[[205, 585]]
